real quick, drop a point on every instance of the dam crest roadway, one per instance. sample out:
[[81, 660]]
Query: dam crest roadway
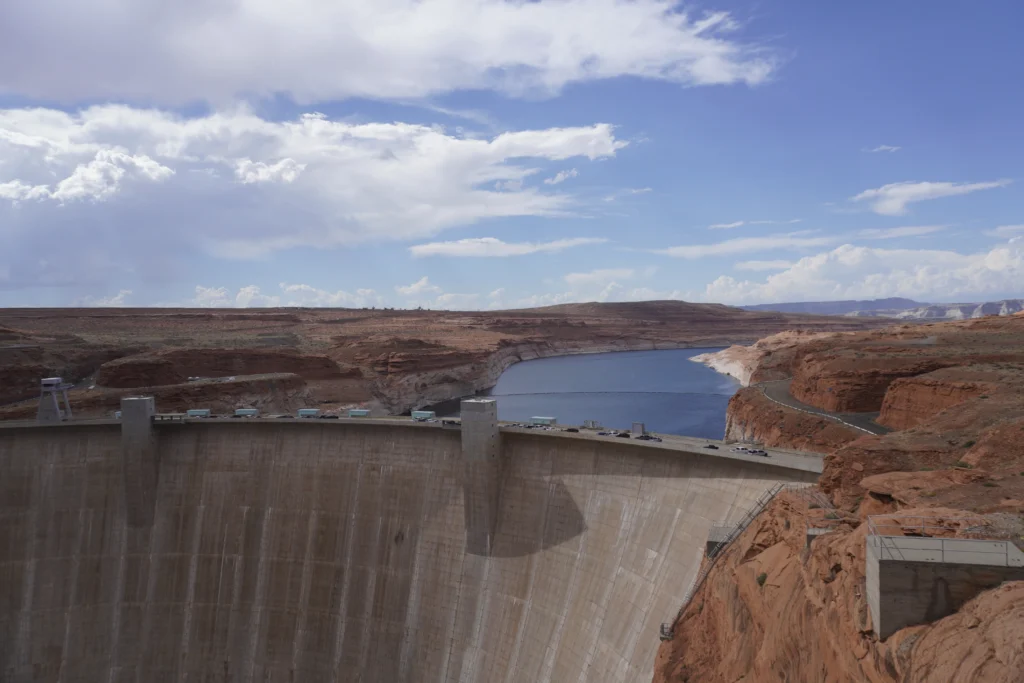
[[359, 549]]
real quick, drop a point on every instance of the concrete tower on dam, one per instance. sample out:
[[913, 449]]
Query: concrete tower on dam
[[379, 551]]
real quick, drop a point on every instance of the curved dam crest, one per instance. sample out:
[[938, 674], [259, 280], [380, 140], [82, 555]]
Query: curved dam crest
[[305, 551]]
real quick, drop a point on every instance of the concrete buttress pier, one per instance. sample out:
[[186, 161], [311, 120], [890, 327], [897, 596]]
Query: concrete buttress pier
[[139, 459], [481, 467]]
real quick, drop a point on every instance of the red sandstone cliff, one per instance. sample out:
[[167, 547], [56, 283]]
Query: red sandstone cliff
[[752, 417], [956, 453]]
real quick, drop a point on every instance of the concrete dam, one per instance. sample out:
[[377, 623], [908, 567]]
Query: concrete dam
[[377, 551]]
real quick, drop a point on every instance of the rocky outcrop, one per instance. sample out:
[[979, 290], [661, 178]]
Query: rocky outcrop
[[766, 360], [398, 392], [772, 610], [178, 365], [27, 358], [843, 383], [912, 400], [751, 417]]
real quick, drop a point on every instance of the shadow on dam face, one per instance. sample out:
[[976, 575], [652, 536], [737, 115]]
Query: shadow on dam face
[[338, 552]]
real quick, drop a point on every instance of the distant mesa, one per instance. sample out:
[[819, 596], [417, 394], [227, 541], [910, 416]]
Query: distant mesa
[[902, 309], [839, 307]]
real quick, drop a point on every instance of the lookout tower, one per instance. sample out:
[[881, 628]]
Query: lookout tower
[[53, 390]]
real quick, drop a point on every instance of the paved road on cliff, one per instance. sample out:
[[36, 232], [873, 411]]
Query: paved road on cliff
[[778, 391]]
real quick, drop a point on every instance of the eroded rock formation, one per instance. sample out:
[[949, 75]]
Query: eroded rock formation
[[772, 609]]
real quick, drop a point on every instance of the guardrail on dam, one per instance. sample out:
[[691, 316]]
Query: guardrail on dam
[[308, 550]]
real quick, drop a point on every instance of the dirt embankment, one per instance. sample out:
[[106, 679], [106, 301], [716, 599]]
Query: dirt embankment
[[773, 610]]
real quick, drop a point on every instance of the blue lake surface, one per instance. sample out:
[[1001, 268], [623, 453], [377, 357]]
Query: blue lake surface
[[665, 390]]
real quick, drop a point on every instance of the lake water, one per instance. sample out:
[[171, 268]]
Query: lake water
[[663, 389]]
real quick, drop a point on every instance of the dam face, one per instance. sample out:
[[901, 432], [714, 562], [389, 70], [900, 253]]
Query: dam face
[[310, 552]]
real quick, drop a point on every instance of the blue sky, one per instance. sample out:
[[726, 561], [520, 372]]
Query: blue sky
[[484, 154]]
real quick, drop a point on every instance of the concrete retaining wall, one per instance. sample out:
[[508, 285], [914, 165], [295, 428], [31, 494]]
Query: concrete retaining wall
[[330, 552]]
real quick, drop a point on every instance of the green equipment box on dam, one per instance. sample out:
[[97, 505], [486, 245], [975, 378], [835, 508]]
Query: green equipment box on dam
[[350, 550]]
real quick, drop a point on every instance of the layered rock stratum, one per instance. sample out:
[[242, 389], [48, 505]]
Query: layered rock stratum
[[772, 608], [387, 360]]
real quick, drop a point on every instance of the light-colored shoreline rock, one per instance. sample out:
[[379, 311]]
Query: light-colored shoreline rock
[[735, 361], [427, 388]]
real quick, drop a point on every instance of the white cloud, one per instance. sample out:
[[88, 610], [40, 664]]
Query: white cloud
[[789, 222], [598, 277], [284, 171], [763, 265], [561, 177], [892, 199], [1006, 231], [852, 272], [418, 288], [491, 246], [509, 185], [314, 50], [212, 297], [740, 245], [627, 192], [118, 181], [895, 233], [306, 295], [453, 301], [884, 148], [95, 179], [292, 295], [119, 300], [737, 224]]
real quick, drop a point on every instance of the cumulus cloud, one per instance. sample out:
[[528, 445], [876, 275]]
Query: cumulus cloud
[[895, 233], [251, 296], [284, 171], [94, 179], [854, 272], [740, 245], [561, 177], [892, 199], [122, 181], [316, 51], [420, 287], [884, 148], [491, 246]]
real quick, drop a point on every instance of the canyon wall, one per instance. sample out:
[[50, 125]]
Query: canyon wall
[[752, 417], [912, 400], [775, 610], [311, 551], [403, 392]]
